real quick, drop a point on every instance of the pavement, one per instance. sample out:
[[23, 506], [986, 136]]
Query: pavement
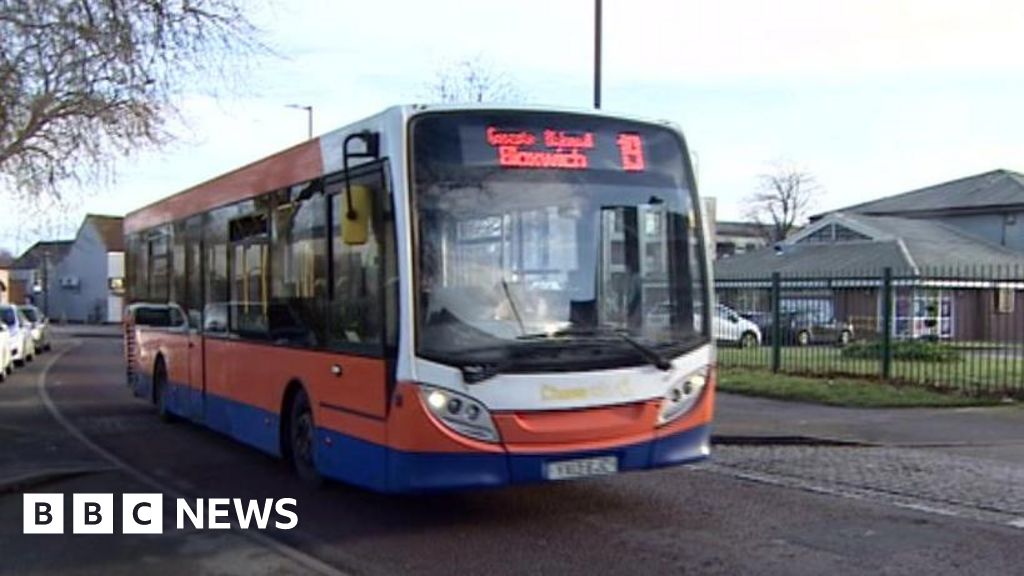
[[992, 432]]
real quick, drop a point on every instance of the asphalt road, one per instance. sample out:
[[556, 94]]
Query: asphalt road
[[697, 520]]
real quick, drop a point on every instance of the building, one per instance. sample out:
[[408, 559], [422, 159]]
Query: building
[[76, 280], [950, 284], [988, 206], [32, 274], [732, 238]]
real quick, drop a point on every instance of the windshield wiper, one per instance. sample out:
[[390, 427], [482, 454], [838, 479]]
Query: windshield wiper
[[648, 353]]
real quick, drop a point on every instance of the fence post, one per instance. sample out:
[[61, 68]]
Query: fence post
[[887, 309], [776, 296]]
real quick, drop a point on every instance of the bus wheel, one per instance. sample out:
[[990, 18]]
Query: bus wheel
[[302, 439], [160, 392]]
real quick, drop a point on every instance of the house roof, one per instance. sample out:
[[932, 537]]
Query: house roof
[[55, 250], [727, 228], [998, 188], [110, 230], [904, 244]]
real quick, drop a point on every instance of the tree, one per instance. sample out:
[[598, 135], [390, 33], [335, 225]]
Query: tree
[[473, 81], [781, 201], [83, 82]]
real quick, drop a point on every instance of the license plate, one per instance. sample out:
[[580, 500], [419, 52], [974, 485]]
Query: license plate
[[581, 468]]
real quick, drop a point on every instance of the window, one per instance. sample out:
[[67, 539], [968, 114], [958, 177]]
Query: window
[[159, 267], [249, 286], [833, 233], [298, 263], [1005, 300], [355, 306], [177, 292], [137, 268], [215, 312], [193, 302]]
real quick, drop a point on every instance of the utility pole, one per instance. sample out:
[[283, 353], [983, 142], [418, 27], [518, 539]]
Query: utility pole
[[597, 54]]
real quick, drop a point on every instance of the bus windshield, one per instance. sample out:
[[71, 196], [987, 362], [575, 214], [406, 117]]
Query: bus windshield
[[541, 236]]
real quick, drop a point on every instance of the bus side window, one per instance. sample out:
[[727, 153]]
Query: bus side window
[[355, 309]]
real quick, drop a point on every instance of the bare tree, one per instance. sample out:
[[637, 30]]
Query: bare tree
[[6, 258], [781, 201], [83, 82], [473, 81]]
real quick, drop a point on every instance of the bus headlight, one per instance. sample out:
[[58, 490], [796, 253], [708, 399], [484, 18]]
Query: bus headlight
[[681, 396], [460, 413]]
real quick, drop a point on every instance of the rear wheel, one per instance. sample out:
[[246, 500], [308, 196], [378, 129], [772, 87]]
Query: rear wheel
[[302, 439], [803, 338], [844, 337], [160, 392]]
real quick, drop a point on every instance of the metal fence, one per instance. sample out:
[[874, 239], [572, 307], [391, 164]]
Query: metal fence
[[956, 329]]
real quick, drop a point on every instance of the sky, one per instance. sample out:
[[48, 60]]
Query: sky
[[872, 98]]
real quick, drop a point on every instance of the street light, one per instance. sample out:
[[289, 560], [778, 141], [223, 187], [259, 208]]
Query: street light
[[309, 117]]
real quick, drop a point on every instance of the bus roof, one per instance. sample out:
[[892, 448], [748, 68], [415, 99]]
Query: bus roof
[[301, 163]]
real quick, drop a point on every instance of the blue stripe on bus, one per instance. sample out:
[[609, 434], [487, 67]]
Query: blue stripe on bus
[[246, 423], [359, 462], [370, 465]]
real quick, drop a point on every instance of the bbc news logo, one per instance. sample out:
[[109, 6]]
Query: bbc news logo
[[144, 514]]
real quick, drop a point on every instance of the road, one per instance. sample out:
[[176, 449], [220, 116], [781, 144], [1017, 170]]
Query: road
[[754, 510]]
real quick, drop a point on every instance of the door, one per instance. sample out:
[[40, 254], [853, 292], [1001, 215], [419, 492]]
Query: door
[[193, 304]]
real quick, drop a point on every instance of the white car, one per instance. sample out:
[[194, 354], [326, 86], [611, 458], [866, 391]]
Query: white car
[[727, 325], [6, 358], [40, 327], [20, 343]]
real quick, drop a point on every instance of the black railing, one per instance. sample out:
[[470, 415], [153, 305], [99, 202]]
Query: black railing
[[958, 329]]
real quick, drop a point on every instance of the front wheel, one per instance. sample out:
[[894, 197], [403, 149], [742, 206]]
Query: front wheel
[[845, 337], [748, 340], [302, 439], [803, 338]]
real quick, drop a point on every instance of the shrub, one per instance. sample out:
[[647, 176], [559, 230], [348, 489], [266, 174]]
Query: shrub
[[904, 350]]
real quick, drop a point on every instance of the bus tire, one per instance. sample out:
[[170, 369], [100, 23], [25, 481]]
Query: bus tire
[[160, 391], [301, 444]]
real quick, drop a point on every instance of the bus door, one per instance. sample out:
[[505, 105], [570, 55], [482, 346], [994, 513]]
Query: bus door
[[363, 282], [194, 309]]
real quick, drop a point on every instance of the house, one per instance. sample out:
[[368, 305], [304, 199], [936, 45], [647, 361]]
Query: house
[[78, 280], [989, 206], [948, 283], [32, 273]]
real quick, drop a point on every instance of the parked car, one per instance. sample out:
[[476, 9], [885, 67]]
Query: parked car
[[726, 325], [21, 344], [804, 327], [6, 358], [40, 327]]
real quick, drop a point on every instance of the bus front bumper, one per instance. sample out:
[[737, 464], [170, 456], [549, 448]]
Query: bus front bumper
[[418, 472]]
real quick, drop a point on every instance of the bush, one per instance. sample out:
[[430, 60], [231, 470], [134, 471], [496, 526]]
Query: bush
[[904, 350]]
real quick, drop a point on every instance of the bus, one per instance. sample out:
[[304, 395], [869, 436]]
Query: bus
[[437, 297]]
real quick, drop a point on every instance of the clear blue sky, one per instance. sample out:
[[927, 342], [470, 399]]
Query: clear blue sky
[[871, 97]]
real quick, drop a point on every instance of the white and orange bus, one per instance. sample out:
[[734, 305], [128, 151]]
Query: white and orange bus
[[437, 297]]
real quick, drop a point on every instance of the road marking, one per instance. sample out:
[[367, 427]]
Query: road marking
[[299, 557]]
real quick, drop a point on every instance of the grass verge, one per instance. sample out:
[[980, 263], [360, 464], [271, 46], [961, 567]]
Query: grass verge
[[840, 391]]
